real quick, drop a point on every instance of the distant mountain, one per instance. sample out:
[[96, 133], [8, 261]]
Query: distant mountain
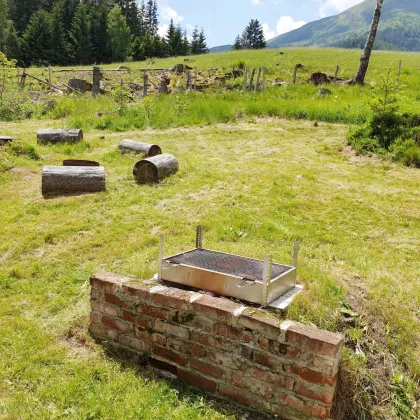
[[399, 28], [221, 48]]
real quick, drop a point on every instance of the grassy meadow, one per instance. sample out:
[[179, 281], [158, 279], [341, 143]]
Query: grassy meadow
[[256, 182]]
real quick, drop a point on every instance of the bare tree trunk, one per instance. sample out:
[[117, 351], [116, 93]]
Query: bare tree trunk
[[364, 61]]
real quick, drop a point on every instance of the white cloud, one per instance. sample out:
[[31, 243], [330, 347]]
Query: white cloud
[[284, 24], [167, 14], [162, 30], [328, 7], [256, 2]]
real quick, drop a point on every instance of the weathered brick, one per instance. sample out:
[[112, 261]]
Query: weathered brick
[[108, 282], [218, 308], [115, 300], [137, 289], [116, 324], [324, 394], [95, 317], [97, 294], [307, 407], [140, 345], [212, 341], [148, 336], [187, 347], [236, 394], [161, 365], [314, 340], [267, 360], [174, 298], [172, 329], [283, 381], [261, 321], [154, 312], [273, 346], [170, 355], [205, 383], [311, 376], [101, 331], [234, 333], [201, 323], [137, 320], [206, 368], [253, 385], [226, 360], [105, 308]]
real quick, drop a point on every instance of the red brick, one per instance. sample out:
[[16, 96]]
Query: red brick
[[170, 355], [140, 322], [105, 308], [115, 300], [255, 386], [234, 333], [307, 407], [311, 376], [218, 308], [95, 317], [101, 331], [283, 381], [313, 340], [172, 329], [153, 311], [212, 341], [224, 359], [174, 298], [116, 324], [187, 347], [235, 394], [152, 337], [206, 368], [272, 346], [138, 290], [267, 360], [201, 323], [107, 281], [97, 294], [205, 383], [139, 345], [264, 322], [325, 395]]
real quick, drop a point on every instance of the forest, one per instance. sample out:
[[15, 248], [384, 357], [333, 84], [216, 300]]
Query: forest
[[71, 32]]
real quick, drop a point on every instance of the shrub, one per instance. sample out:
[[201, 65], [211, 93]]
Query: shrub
[[407, 152], [18, 148], [239, 64]]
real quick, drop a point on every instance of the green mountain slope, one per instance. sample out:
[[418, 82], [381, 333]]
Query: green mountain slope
[[399, 28]]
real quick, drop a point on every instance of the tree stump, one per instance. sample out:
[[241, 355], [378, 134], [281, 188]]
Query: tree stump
[[59, 136], [153, 170], [149, 150], [78, 162], [59, 180]]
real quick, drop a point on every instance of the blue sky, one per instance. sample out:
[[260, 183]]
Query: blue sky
[[222, 20]]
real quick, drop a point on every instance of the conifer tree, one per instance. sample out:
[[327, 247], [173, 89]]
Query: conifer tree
[[202, 43], [80, 36], [237, 44], [68, 9], [151, 13], [119, 34], [195, 48], [12, 43], [59, 47], [99, 31], [3, 22], [253, 36]]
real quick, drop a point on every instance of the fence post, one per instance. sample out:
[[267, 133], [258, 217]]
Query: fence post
[[264, 70], [188, 81], [49, 78], [23, 78], [96, 88], [251, 81], [195, 80], [294, 74], [245, 78], [336, 74], [257, 84], [145, 83], [400, 69]]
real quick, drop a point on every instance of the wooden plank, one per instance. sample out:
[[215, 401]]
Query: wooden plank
[[257, 83], [251, 81]]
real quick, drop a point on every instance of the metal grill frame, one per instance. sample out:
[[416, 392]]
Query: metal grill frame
[[262, 292]]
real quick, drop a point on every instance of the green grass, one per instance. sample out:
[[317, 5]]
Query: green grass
[[256, 186]]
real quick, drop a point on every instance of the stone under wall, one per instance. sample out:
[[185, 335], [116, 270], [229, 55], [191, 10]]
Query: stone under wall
[[283, 368]]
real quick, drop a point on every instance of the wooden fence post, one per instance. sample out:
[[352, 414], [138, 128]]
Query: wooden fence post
[[188, 85], [336, 74], [294, 74], [145, 83], [23, 78], [257, 84], [264, 70], [96, 88], [49, 78], [195, 80], [245, 78], [251, 81]]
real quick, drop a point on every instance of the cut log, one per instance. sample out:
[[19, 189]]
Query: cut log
[[59, 136], [78, 162], [149, 150], [5, 140], [153, 170], [57, 180], [80, 85]]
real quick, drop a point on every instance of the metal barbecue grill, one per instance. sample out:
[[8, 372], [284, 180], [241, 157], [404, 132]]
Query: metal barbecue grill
[[248, 279]]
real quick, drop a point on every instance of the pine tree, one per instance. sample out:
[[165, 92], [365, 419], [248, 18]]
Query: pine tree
[[185, 48], [12, 43], [195, 50], [253, 36], [3, 22], [59, 47], [151, 14], [21, 11], [37, 40], [80, 36], [119, 34], [68, 9], [99, 32], [202, 43], [237, 45]]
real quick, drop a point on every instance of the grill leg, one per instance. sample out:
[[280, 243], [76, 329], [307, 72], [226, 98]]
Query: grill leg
[[160, 265], [268, 269], [199, 237]]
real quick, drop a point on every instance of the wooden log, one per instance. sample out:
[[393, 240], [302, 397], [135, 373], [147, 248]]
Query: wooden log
[[58, 180], [5, 140], [78, 162], [148, 150], [154, 169], [59, 136]]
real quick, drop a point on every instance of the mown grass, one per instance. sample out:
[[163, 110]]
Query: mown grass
[[256, 186]]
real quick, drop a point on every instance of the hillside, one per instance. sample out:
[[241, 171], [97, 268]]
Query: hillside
[[399, 28], [221, 48]]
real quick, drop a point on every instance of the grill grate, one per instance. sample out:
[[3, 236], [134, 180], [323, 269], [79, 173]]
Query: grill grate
[[227, 264]]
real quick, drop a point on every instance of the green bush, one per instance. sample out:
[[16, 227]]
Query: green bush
[[18, 148], [407, 152], [14, 105], [239, 64]]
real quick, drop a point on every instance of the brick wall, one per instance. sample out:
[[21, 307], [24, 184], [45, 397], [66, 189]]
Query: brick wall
[[281, 367]]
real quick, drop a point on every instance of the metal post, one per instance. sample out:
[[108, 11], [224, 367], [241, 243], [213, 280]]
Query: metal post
[[296, 254], [267, 274], [160, 265], [199, 237]]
